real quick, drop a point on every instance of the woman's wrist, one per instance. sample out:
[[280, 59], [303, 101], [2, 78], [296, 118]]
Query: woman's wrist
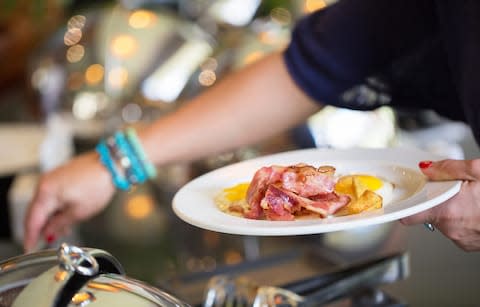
[[123, 156]]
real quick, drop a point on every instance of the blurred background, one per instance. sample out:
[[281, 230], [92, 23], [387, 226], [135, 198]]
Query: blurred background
[[75, 71]]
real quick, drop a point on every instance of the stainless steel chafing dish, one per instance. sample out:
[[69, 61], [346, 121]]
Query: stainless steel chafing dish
[[73, 277]]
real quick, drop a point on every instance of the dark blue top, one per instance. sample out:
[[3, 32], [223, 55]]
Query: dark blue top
[[362, 54]]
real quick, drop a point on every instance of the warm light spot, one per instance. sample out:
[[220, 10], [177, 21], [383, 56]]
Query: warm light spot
[[94, 74], [211, 239], [124, 46], [118, 77], [141, 19], [121, 285], [7, 266], [210, 64], [83, 298], [72, 36], [75, 53], [281, 16], [194, 264], [61, 275], [268, 37], [75, 81], [207, 77], [209, 263], [233, 257], [253, 57], [314, 5], [102, 286], [77, 21], [139, 206]]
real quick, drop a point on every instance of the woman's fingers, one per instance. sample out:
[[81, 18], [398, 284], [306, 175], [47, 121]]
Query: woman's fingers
[[458, 217], [43, 205], [427, 216], [451, 169], [58, 225]]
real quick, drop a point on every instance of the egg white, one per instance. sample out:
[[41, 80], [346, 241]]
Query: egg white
[[386, 191]]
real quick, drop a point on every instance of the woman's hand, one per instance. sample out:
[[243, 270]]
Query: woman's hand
[[459, 217], [69, 194]]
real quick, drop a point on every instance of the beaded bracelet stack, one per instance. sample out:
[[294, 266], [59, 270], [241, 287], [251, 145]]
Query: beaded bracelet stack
[[124, 157]]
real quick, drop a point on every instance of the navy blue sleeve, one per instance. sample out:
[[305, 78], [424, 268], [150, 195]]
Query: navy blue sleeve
[[459, 23], [337, 48]]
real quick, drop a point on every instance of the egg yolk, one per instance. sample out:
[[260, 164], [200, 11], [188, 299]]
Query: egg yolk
[[345, 184], [236, 192]]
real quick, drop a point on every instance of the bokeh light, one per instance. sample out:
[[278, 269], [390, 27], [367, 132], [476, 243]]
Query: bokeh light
[[72, 36], [124, 46], [94, 74], [75, 53], [141, 19], [118, 77], [139, 206], [314, 5], [207, 77]]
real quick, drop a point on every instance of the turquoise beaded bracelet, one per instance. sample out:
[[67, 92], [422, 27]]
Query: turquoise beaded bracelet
[[119, 180], [124, 157], [136, 171], [137, 147]]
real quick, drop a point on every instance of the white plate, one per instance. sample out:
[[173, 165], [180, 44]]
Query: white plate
[[194, 203]]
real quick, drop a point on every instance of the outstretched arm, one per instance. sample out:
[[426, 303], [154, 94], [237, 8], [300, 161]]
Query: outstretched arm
[[244, 108], [248, 106]]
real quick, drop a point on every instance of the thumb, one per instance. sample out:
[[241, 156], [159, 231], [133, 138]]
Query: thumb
[[451, 169]]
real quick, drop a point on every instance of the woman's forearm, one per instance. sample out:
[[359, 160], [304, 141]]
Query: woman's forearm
[[246, 107]]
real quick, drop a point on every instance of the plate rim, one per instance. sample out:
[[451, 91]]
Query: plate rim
[[371, 218]]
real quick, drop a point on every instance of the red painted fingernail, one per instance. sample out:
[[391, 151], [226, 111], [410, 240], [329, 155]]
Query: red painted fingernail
[[50, 238], [425, 164]]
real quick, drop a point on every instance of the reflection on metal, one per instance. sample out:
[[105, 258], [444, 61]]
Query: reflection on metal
[[107, 287], [74, 259], [82, 299], [7, 266], [167, 82], [61, 276]]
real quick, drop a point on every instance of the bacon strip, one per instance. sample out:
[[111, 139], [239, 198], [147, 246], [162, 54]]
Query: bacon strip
[[278, 192]]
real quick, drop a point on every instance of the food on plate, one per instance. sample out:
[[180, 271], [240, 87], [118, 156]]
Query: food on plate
[[298, 191], [366, 193]]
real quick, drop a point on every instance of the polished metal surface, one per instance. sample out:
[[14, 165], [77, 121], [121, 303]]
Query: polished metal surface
[[314, 291], [37, 279], [74, 259], [75, 277], [121, 291]]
